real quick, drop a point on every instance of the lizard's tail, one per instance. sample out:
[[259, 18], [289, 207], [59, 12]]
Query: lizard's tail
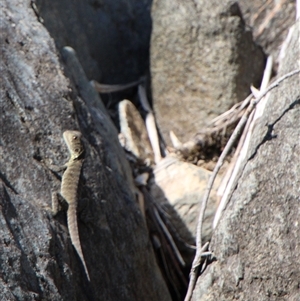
[[73, 229]]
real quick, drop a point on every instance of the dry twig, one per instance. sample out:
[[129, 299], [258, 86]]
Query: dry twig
[[234, 136], [242, 147], [215, 135], [106, 88], [194, 272], [150, 124]]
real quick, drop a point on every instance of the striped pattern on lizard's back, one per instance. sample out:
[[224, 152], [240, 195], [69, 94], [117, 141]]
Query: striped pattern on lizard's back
[[69, 187]]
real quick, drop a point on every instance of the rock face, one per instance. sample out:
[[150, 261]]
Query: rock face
[[203, 60], [257, 240], [182, 185], [270, 21], [38, 102], [111, 38]]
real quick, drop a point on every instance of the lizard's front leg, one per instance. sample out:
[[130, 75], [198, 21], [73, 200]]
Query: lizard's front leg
[[56, 195]]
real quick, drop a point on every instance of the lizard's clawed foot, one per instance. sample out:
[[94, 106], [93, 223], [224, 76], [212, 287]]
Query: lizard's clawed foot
[[48, 210]]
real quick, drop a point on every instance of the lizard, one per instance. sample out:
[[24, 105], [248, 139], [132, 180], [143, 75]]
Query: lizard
[[69, 187]]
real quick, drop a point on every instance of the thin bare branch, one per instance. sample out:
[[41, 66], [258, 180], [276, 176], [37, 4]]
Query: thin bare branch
[[169, 237], [193, 274], [243, 145], [105, 88], [150, 124], [230, 143], [175, 141]]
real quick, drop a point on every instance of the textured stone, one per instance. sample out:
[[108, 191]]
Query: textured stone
[[111, 38], [38, 102], [270, 22], [257, 241], [182, 185], [203, 60]]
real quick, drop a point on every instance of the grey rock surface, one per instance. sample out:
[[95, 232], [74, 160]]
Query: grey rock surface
[[38, 102], [181, 185], [112, 52], [257, 240], [111, 38], [203, 60], [270, 22]]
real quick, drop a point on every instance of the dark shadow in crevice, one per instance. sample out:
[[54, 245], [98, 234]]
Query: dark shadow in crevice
[[269, 136]]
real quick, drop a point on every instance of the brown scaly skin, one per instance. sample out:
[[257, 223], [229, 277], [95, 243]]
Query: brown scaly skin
[[69, 187]]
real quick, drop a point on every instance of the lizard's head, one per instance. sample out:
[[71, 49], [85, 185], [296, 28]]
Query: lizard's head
[[74, 143]]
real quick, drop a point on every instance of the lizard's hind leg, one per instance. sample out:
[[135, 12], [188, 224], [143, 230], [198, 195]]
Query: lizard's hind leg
[[57, 201]]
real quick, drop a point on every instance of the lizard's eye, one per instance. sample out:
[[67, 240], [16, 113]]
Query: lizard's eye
[[76, 150], [74, 137]]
